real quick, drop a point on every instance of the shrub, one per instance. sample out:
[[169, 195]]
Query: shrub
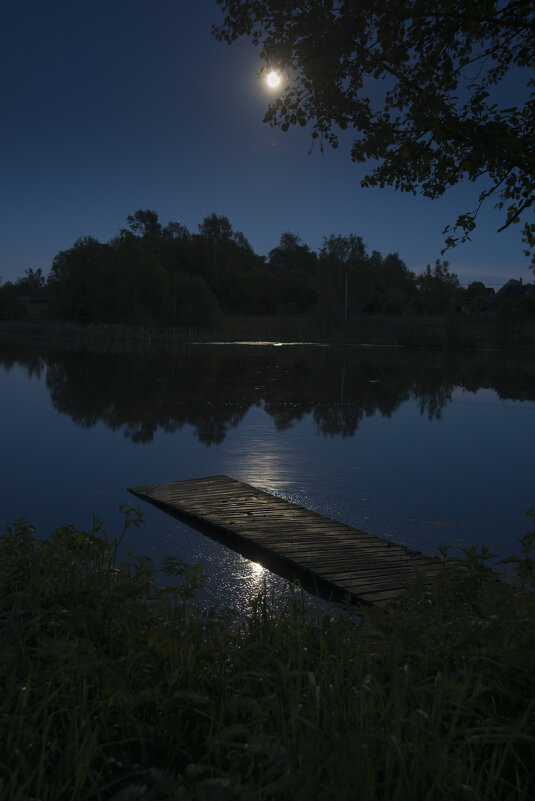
[[113, 687]]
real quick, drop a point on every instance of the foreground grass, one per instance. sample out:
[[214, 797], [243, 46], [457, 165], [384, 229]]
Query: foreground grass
[[113, 688]]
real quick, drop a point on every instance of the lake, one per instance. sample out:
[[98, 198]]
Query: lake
[[418, 446]]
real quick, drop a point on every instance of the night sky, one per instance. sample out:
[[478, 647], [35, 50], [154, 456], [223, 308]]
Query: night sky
[[108, 107]]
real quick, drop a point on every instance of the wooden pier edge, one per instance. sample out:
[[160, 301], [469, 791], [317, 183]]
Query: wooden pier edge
[[329, 559], [282, 566]]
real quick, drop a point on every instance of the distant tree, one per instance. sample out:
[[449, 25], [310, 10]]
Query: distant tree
[[11, 305], [361, 281], [347, 250], [396, 280], [33, 282], [197, 305], [258, 293], [216, 232], [340, 257], [216, 228], [83, 283], [418, 81], [291, 257], [141, 285], [175, 230], [240, 240], [144, 223], [174, 253], [477, 297], [439, 289], [527, 306]]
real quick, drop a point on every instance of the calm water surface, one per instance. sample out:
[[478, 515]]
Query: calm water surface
[[421, 447]]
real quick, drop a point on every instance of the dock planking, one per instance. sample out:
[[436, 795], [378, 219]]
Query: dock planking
[[329, 558]]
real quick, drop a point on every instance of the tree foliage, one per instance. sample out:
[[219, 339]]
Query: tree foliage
[[291, 257], [33, 282], [348, 274], [434, 91], [216, 228], [11, 305], [440, 289], [144, 223], [163, 276]]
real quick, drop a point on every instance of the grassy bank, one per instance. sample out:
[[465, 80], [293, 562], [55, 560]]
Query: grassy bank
[[448, 331], [113, 687]]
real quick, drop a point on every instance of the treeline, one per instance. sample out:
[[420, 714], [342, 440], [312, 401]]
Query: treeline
[[157, 275]]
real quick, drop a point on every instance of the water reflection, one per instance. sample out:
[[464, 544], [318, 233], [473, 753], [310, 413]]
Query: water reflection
[[265, 457], [282, 419], [225, 571], [212, 388]]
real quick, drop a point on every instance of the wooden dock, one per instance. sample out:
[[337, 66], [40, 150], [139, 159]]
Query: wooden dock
[[330, 559]]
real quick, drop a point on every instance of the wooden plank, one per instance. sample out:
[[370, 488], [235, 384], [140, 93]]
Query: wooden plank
[[330, 558]]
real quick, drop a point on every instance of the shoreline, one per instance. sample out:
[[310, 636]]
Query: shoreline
[[453, 332]]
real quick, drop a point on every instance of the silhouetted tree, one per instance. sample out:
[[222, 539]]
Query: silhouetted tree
[[216, 231], [197, 304], [440, 290], [32, 283], [216, 228], [240, 240], [139, 276], [83, 283], [142, 285], [341, 259], [478, 298], [395, 282], [419, 83], [357, 281], [11, 305], [347, 250], [175, 230], [145, 223], [291, 257]]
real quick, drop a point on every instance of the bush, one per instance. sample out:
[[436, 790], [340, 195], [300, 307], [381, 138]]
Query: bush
[[197, 304], [11, 305], [116, 688]]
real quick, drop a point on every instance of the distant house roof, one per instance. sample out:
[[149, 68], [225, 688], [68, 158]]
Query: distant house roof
[[512, 289]]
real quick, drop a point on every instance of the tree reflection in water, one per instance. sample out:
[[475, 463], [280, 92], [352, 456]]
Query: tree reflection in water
[[211, 388]]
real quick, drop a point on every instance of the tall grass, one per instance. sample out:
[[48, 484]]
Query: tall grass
[[113, 687]]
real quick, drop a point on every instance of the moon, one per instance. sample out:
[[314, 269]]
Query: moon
[[273, 79]]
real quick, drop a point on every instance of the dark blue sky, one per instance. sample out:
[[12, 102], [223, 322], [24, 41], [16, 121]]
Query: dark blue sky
[[108, 107]]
